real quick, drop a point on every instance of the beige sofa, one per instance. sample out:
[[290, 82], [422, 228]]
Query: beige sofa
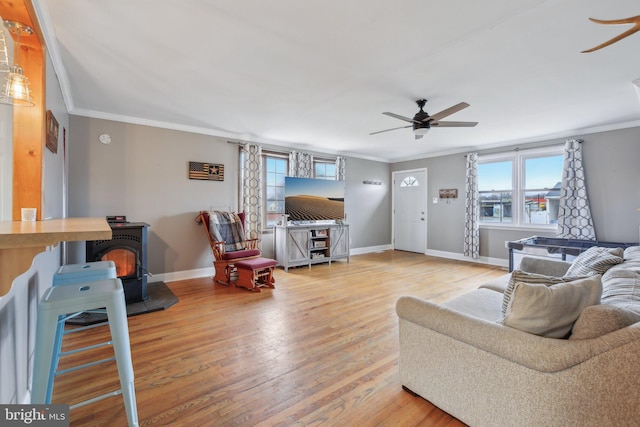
[[458, 356]]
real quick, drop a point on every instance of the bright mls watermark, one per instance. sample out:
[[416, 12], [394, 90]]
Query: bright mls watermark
[[34, 415]]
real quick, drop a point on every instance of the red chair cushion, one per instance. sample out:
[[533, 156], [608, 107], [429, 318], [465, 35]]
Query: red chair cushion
[[240, 254], [255, 263]]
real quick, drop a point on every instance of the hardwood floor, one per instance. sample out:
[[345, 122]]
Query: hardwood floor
[[320, 349]]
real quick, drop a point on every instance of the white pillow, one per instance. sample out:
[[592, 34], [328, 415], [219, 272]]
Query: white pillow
[[551, 311], [531, 278]]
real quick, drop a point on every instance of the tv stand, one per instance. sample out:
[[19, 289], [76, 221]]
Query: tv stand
[[311, 244]]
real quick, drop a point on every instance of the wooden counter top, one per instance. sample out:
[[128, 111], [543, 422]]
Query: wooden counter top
[[21, 241], [22, 234]]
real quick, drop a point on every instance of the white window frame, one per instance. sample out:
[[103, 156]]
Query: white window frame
[[325, 162], [266, 155], [410, 181], [518, 159]]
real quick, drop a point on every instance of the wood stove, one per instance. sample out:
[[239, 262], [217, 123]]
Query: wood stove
[[128, 250]]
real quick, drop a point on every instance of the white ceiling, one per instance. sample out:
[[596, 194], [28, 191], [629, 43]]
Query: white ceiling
[[318, 74]]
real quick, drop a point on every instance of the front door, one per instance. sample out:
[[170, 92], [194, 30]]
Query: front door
[[410, 210]]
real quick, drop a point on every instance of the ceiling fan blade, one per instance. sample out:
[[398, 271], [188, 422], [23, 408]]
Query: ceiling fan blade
[[444, 113], [387, 130], [419, 136], [397, 116], [449, 124]]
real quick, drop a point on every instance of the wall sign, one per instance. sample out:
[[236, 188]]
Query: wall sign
[[448, 193], [52, 132], [206, 171]]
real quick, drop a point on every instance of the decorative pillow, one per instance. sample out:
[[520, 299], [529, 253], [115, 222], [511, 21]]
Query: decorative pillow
[[598, 320], [532, 279], [550, 311], [595, 260]]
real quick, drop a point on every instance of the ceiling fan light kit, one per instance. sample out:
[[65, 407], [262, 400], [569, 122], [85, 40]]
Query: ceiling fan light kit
[[422, 122]]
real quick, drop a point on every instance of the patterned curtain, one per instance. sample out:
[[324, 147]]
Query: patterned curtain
[[300, 164], [574, 215], [252, 189], [341, 168], [472, 214]]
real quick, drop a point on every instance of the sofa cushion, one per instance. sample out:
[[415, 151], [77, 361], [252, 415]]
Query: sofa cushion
[[595, 260], [498, 284], [544, 265], [621, 287], [598, 320], [481, 303], [530, 278], [550, 311], [632, 253]]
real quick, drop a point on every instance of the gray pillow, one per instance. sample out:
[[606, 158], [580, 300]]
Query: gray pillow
[[595, 260], [531, 278], [550, 311], [597, 320]]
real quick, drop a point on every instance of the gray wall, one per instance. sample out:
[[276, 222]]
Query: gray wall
[[610, 160], [143, 174], [368, 207], [611, 165]]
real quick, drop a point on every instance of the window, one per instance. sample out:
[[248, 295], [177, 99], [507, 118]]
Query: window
[[495, 187], [324, 169], [410, 181], [276, 167], [521, 188]]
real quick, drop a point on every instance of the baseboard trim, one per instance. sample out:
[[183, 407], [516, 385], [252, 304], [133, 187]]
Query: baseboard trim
[[370, 249], [210, 271], [182, 275], [460, 257]]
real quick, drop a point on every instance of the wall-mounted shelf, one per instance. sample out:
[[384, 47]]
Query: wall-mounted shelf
[[21, 241]]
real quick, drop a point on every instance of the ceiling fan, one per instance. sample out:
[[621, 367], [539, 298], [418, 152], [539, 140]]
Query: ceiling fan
[[633, 20], [422, 121]]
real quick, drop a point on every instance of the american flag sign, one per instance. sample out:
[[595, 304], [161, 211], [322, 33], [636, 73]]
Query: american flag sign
[[206, 171]]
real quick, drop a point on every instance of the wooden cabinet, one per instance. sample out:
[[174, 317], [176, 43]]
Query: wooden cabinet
[[311, 244], [339, 242]]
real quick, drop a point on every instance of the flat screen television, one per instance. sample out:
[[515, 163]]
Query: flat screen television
[[308, 199]]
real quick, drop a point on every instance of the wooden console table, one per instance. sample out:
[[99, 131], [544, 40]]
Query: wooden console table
[[21, 241]]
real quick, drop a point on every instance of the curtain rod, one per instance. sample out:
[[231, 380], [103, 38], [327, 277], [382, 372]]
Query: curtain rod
[[497, 150], [285, 152]]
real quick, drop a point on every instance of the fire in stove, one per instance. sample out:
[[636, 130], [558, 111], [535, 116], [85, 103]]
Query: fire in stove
[[128, 250]]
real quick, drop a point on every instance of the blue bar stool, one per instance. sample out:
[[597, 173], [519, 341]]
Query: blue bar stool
[[72, 274], [58, 301]]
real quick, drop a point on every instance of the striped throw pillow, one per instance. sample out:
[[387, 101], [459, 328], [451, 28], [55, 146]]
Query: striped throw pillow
[[595, 260]]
